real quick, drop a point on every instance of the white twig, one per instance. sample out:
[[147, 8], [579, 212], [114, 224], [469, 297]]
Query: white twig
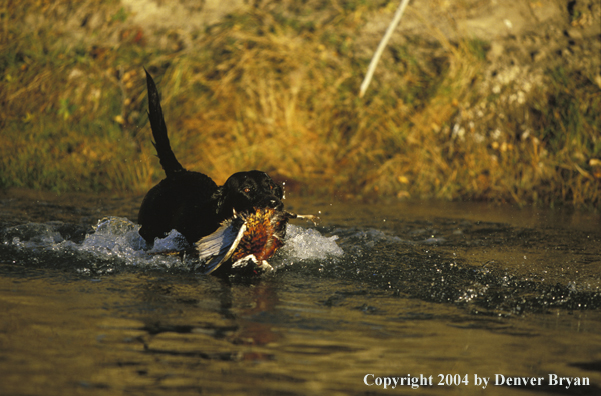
[[378, 54]]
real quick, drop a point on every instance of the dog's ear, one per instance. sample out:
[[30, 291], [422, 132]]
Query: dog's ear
[[279, 190], [219, 198]]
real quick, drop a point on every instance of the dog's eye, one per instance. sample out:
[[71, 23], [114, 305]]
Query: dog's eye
[[246, 190]]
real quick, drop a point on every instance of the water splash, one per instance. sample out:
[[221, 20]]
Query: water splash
[[114, 243], [309, 244]]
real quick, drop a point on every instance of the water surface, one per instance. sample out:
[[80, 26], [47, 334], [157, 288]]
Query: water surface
[[383, 290]]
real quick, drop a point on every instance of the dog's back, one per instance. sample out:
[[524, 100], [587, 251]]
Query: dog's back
[[179, 202]]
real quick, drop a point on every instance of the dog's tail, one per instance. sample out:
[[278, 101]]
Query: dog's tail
[[159, 130]]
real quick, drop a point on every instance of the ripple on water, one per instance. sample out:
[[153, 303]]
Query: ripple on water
[[431, 261]]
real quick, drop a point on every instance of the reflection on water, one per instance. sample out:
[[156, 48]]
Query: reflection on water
[[421, 288]]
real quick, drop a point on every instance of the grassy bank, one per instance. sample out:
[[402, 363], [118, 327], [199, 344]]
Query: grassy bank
[[273, 89]]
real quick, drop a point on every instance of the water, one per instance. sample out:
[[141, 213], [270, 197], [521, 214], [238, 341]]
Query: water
[[376, 292]]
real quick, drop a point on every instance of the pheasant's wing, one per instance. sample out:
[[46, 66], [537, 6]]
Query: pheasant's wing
[[216, 248]]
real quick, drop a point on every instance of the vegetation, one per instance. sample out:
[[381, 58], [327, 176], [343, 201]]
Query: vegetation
[[277, 90]]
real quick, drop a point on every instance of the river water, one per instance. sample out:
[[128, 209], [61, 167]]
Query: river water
[[467, 298]]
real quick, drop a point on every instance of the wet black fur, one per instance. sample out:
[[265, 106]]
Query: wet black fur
[[191, 202]]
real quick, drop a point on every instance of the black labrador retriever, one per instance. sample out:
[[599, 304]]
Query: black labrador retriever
[[191, 202]]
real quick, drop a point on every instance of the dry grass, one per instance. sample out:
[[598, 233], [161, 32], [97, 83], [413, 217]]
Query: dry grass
[[268, 91]]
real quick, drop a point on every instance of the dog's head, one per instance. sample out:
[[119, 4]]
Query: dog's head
[[244, 191]]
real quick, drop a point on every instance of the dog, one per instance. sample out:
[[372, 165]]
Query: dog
[[191, 202]]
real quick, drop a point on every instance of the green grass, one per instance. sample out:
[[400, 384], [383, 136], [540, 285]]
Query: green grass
[[275, 90]]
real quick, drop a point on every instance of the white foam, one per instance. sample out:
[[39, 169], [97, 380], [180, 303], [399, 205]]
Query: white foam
[[174, 241], [117, 240], [307, 243], [119, 237], [115, 234]]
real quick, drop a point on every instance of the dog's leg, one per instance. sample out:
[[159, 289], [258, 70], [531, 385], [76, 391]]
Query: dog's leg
[[159, 130]]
